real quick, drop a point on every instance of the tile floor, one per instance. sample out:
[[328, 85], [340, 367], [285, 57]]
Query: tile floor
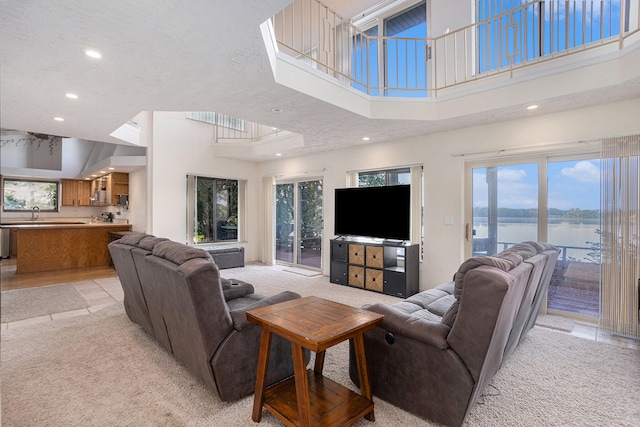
[[99, 293]]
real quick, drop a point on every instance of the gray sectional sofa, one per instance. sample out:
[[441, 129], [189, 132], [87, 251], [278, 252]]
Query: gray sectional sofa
[[437, 350], [175, 293]]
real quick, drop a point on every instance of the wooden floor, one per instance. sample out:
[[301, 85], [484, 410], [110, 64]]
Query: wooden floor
[[10, 280]]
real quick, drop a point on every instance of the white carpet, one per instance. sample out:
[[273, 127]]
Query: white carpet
[[103, 370]]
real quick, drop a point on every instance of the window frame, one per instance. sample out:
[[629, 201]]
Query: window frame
[[192, 210], [419, 181], [56, 197], [387, 175]]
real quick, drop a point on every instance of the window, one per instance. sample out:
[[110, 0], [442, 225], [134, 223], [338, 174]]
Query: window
[[406, 52], [214, 209], [404, 49], [384, 177], [412, 176], [218, 119], [555, 200], [299, 222], [364, 61], [23, 195], [515, 31]]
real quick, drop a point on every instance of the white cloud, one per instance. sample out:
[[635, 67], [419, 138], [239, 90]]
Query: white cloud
[[583, 171], [511, 175], [513, 189]]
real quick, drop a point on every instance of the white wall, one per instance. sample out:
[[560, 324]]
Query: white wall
[[444, 173], [182, 147]]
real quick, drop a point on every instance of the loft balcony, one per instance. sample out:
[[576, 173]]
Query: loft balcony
[[539, 50]]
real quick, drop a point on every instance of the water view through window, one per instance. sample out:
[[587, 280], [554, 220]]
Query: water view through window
[[505, 212]]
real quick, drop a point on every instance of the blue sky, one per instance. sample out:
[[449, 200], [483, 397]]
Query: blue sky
[[572, 184]]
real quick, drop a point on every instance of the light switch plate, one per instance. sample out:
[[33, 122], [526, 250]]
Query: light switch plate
[[448, 220]]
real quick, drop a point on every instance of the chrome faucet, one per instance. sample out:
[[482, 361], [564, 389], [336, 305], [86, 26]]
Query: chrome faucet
[[35, 211]]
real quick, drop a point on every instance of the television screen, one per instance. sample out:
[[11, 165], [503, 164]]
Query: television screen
[[379, 212]]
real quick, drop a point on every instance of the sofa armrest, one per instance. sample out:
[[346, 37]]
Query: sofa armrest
[[419, 329], [239, 315], [237, 290]]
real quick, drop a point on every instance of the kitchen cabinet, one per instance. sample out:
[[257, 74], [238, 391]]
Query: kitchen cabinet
[[45, 247], [108, 189], [76, 192], [119, 187]]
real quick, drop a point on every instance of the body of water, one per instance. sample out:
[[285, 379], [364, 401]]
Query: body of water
[[561, 232]]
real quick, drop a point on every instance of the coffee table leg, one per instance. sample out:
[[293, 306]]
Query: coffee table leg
[[302, 386], [363, 372], [319, 364], [261, 375]]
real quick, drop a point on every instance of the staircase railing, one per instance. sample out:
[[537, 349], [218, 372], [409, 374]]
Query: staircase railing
[[537, 31]]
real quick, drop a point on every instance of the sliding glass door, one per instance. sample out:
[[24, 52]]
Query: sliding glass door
[[299, 223], [554, 201], [505, 207], [574, 226]]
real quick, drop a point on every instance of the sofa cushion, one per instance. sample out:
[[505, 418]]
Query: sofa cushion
[[426, 298], [149, 242], [504, 263], [447, 287], [525, 249], [441, 305], [513, 257], [426, 315], [178, 253], [133, 239]]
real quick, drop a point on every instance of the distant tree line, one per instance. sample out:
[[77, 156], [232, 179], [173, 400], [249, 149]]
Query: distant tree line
[[573, 213]]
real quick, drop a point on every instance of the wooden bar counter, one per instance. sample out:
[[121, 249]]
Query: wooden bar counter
[[45, 247]]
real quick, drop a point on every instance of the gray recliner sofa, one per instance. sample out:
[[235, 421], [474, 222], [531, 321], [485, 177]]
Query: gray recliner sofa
[[437, 350], [175, 291]]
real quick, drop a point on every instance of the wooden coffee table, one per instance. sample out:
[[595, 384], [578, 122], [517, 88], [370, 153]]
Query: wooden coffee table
[[309, 398]]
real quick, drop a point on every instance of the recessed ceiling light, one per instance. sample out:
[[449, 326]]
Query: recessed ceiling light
[[71, 95], [93, 54], [277, 110], [112, 168], [58, 119], [366, 138], [103, 171], [532, 107], [278, 154], [94, 175]]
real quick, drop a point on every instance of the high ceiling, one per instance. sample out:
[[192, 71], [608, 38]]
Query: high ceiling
[[169, 55]]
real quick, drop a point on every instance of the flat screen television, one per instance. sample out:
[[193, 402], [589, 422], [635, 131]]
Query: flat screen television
[[378, 212]]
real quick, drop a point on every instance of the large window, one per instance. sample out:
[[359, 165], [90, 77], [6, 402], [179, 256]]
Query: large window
[[549, 200], [406, 52], [384, 177], [515, 31], [25, 195], [214, 211], [403, 49]]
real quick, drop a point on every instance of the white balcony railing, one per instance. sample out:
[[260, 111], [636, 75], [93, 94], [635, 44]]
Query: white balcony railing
[[503, 41], [228, 129]]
